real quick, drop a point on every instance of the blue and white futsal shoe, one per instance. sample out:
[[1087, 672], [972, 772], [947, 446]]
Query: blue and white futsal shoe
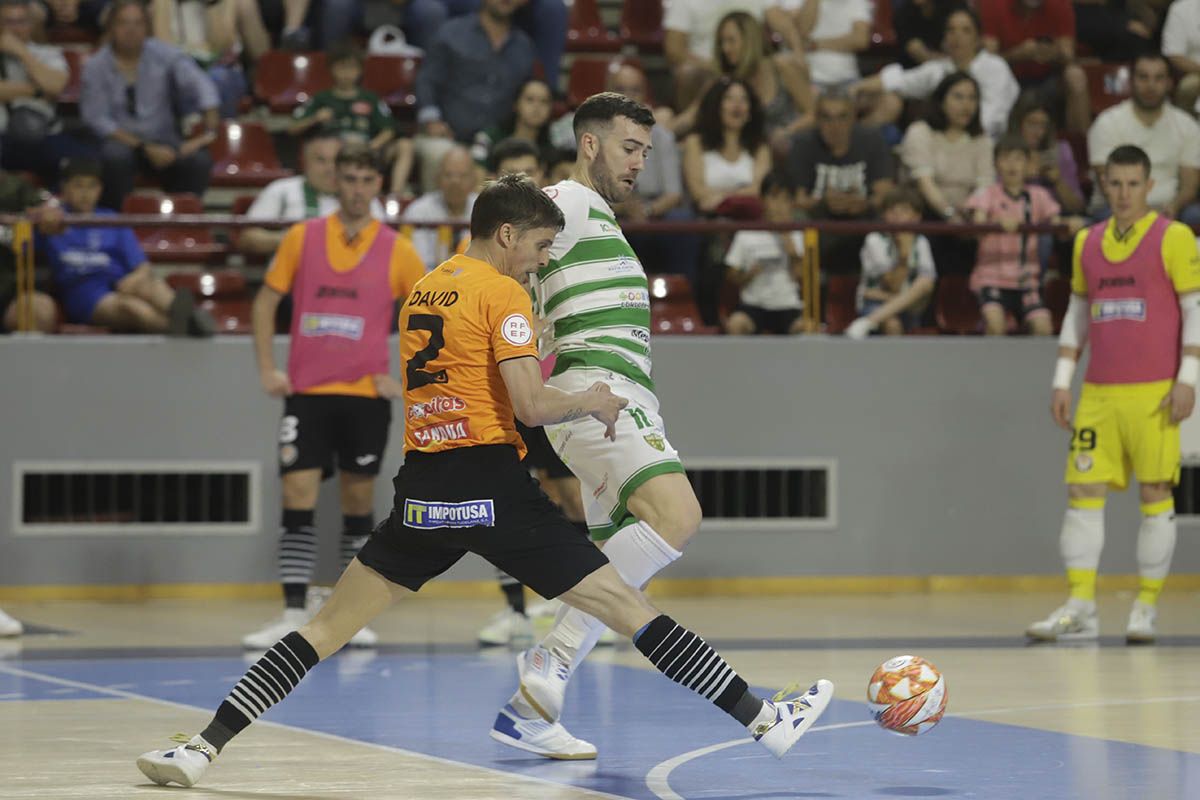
[[183, 765], [543, 677], [793, 716], [546, 739]]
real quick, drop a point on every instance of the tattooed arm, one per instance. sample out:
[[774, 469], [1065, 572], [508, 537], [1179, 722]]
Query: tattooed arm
[[536, 404]]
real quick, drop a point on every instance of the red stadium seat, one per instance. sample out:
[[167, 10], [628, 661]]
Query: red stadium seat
[[75, 60], [70, 34], [284, 80], [244, 155], [1108, 84], [883, 32], [221, 293], [957, 310], [841, 295], [641, 24], [586, 31], [169, 244], [589, 75], [393, 78], [672, 308]]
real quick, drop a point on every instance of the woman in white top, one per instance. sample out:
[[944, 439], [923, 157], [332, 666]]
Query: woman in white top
[[727, 156]]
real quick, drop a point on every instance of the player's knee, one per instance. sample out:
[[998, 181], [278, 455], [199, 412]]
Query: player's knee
[[297, 493], [1150, 493], [1082, 495]]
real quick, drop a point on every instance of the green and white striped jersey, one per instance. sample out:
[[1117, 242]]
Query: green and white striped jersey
[[592, 296]]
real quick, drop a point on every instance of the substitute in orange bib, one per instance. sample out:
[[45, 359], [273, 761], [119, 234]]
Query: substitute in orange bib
[[470, 366], [345, 272], [1136, 296]]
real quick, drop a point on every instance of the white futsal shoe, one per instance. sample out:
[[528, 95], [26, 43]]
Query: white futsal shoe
[[266, 637], [507, 628], [1140, 629], [793, 717], [183, 765], [316, 597], [547, 739], [543, 681], [10, 626], [1076, 620], [543, 609]]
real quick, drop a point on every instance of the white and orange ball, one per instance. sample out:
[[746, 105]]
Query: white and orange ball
[[907, 695]]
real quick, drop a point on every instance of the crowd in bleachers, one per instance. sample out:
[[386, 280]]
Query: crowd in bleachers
[[898, 110]]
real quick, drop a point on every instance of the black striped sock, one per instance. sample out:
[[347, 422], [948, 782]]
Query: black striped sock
[[297, 555], [355, 530], [689, 661], [266, 683]]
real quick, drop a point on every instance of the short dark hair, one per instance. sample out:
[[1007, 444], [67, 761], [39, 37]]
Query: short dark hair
[[80, 167], [319, 133], [1151, 55], [514, 200], [1011, 143], [937, 115], [970, 12], [511, 148], [708, 120], [345, 50], [903, 196], [1128, 155], [601, 109], [358, 154], [109, 14], [775, 180]]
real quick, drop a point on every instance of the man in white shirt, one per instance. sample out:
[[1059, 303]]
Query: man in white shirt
[[1170, 136], [828, 33], [300, 197], [998, 88], [453, 200], [1181, 46]]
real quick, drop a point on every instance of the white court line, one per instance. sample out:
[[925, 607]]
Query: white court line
[[658, 778], [92, 687]]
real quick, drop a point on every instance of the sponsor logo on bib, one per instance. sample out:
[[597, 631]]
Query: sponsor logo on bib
[[1133, 308], [428, 515], [347, 327]]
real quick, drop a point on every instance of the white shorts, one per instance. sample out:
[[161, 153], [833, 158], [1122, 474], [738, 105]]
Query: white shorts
[[610, 471]]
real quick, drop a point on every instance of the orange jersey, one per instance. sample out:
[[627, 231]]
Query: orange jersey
[[405, 268], [460, 322]]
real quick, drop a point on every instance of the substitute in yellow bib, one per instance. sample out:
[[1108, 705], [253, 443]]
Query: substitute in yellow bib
[[1135, 298]]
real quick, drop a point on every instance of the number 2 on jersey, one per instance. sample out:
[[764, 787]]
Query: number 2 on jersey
[[414, 367]]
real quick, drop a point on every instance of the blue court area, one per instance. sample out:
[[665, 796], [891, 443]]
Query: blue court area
[[656, 740]]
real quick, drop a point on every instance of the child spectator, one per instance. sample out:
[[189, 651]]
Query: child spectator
[[1007, 274], [765, 265], [102, 276], [357, 114], [898, 273]]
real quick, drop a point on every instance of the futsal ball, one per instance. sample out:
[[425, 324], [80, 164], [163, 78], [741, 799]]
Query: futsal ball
[[907, 695]]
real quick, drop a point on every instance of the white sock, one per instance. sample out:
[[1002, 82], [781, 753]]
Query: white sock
[[1156, 545], [766, 714], [638, 554], [1082, 538]]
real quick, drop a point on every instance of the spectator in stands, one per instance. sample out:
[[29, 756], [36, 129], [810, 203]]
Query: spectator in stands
[[1169, 135], [31, 77], [102, 276], [765, 266], [512, 156], [529, 119], [453, 200], [725, 160], [1181, 46], [948, 157], [898, 273], [1052, 164], [419, 20], [544, 20], [841, 170], [1007, 275], [829, 33], [136, 93], [1037, 39], [313, 194], [469, 79], [216, 33], [920, 26], [964, 53], [559, 165], [689, 41], [1116, 30], [19, 196], [356, 114]]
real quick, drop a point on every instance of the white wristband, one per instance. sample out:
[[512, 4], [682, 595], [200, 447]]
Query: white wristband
[[1189, 370], [1064, 371]]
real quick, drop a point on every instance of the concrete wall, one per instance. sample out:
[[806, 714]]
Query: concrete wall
[[946, 457]]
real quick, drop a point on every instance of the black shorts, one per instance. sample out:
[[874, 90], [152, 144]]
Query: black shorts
[[511, 523], [770, 321], [541, 455], [316, 428], [1018, 302]]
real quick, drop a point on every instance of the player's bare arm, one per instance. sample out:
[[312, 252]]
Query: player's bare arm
[[1070, 345], [536, 404], [274, 381], [1181, 400]]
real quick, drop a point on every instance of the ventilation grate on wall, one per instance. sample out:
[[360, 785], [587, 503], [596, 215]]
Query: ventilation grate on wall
[[753, 495], [135, 497]]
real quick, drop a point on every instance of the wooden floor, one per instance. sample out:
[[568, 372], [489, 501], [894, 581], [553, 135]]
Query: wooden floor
[[410, 719]]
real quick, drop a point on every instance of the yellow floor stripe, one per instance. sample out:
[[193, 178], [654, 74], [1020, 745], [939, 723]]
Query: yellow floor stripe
[[666, 587]]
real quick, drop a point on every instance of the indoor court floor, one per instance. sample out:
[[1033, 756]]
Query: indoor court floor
[[94, 685]]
